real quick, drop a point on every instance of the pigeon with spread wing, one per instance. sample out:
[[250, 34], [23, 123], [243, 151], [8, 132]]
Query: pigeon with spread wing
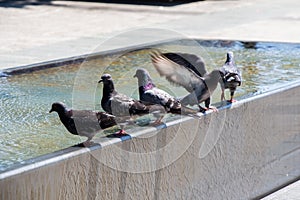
[[200, 88]]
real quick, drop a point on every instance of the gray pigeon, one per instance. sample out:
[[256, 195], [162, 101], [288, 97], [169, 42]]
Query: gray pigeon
[[149, 93], [232, 77], [200, 88], [83, 122], [124, 107]]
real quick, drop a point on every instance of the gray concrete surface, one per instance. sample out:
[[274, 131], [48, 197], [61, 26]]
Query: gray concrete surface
[[38, 33], [290, 192]]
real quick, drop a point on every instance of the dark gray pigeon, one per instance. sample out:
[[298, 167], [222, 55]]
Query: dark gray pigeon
[[232, 77], [149, 93], [200, 88], [124, 107], [83, 122]]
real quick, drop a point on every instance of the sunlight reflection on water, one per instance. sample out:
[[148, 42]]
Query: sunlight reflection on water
[[27, 129]]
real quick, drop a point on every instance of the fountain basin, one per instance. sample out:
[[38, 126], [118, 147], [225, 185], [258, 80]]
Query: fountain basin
[[247, 150]]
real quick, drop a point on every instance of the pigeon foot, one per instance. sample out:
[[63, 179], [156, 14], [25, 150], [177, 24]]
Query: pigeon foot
[[201, 109], [156, 123], [88, 143], [231, 100], [121, 132], [214, 109]]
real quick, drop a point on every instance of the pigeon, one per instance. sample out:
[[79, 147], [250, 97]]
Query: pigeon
[[232, 77], [124, 107], [149, 93], [200, 88], [83, 122]]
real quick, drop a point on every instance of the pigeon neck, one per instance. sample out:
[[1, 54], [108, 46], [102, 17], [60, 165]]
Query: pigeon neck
[[148, 86], [68, 121], [143, 89], [229, 60], [108, 89], [144, 80], [145, 83], [64, 114]]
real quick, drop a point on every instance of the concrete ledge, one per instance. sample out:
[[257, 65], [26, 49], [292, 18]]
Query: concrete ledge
[[291, 192], [121, 49], [243, 152]]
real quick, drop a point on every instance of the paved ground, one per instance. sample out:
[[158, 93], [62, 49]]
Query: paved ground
[[37, 32], [33, 33]]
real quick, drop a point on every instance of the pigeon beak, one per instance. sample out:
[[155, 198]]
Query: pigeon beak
[[51, 111], [100, 81], [135, 76]]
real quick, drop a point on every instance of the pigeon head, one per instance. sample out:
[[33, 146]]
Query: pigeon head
[[58, 107], [143, 77], [105, 78], [108, 85]]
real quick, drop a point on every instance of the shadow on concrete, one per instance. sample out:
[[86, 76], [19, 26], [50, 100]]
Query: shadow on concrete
[[22, 4], [146, 2]]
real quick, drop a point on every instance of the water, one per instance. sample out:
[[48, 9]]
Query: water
[[27, 129]]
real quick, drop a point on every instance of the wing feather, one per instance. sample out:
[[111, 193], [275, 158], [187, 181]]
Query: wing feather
[[190, 61], [175, 73]]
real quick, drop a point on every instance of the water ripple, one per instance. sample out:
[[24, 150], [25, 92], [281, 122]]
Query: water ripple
[[28, 130]]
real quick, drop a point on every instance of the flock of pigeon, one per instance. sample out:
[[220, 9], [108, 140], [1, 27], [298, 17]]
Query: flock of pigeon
[[180, 69]]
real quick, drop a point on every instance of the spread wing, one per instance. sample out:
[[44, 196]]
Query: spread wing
[[190, 61], [175, 73]]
